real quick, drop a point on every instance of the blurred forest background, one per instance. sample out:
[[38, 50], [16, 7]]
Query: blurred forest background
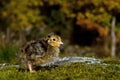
[[84, 25]]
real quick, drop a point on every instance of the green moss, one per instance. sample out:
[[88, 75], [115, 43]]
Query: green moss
[[110, 60], [76, 71]]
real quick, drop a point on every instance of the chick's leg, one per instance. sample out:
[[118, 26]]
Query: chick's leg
[[30, 67]]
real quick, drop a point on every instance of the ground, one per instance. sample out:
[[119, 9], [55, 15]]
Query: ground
[[74, 71]]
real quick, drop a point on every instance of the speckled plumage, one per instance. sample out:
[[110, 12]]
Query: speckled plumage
[[39, 52]]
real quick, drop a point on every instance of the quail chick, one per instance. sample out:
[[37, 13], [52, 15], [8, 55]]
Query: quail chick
[[39, 52]]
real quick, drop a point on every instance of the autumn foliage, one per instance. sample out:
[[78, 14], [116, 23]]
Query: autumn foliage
[[22, 20]]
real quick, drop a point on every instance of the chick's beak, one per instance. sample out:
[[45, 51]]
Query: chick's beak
[[61, 42]]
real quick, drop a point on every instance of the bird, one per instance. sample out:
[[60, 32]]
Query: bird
[[41, 51]]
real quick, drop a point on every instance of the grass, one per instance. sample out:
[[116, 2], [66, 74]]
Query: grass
[[74, 71], [8, 54]]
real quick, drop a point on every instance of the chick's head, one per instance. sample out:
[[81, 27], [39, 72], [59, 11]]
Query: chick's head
[[54, 40]]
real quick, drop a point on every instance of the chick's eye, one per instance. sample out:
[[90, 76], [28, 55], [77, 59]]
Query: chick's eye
[[49, 36], [54, 39]]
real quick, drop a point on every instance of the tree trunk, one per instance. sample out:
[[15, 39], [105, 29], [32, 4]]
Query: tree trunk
[[113, 38], [8, 36], [21, 38]]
